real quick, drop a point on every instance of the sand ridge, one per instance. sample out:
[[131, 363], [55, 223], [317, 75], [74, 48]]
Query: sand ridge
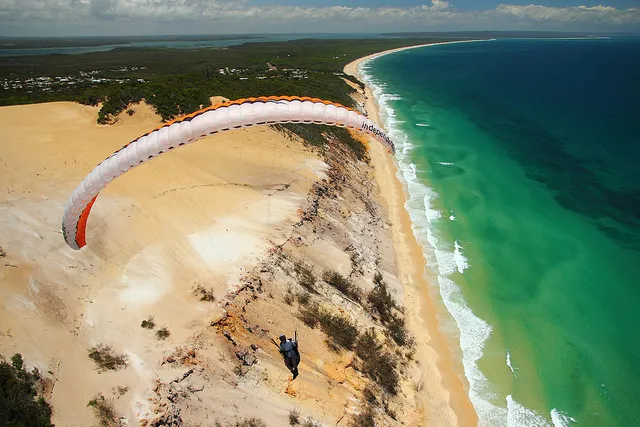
[[202, 215], [444, 395]]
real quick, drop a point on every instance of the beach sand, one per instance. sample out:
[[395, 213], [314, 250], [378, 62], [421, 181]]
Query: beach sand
[[445, 392]]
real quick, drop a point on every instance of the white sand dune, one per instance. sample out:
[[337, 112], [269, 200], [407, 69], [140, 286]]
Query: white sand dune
[[201, 215]]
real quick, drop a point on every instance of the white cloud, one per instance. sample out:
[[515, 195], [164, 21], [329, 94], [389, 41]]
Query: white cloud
[[595, 14], [217, 16]]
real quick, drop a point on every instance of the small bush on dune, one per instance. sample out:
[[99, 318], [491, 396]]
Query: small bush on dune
[[341, 332], [385, 373], [288, 296], [2, 253], [310, 315], [342, 284], [369, 395], [368, 349], [381, 300], [363, 419], [148, 323], [204, 294], [377, 278], [104, 411], [304, 298], [294, 417], [306, 279], [163, 333], [310, 422], [377, 363], [398, 331], [107, 359], [250, 422]]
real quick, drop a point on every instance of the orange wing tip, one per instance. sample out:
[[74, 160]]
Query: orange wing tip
[[81, 239]]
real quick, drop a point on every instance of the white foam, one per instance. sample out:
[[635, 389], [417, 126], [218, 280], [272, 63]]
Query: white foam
[[426, 125], [561, 420], [445, 163], [452, 218], [520, 416], [509, 362], [461, 261]]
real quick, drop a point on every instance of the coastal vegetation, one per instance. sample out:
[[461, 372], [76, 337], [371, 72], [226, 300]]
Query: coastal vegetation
[[177, 81], [21, 400]]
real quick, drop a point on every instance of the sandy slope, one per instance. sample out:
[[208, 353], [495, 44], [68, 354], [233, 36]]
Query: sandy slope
[[444, 395], [202, 215], [230, 213]]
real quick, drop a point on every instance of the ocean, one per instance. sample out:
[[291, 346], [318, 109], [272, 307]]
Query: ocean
[[521, 159]]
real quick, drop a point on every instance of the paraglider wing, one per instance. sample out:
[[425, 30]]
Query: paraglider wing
[[219, 118]]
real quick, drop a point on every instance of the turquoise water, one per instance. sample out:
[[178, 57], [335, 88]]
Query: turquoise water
[[521, 159]]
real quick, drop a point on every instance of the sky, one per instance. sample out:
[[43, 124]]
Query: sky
[[43, 18]]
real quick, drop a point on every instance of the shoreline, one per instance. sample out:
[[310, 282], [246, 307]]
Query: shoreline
[[445, 397]]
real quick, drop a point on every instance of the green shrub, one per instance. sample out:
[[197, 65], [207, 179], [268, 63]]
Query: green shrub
[[341, 332], [369, 395], [19, 403], [381, 300], [148, 323], [104, 411], [288, 296], [377, 363], [107, 359], [368, 349], [294, 417], [398, 331], [363, 419], [304, 298], [204, 294], [310, 315], [377, 278], [306, 279], [342, 284], [250, 422], [310, 422], [162, 333]]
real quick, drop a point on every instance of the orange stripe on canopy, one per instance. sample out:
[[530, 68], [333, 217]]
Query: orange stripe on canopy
[[82, 224]]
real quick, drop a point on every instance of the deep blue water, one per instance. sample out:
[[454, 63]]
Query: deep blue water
[[522, 163]]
